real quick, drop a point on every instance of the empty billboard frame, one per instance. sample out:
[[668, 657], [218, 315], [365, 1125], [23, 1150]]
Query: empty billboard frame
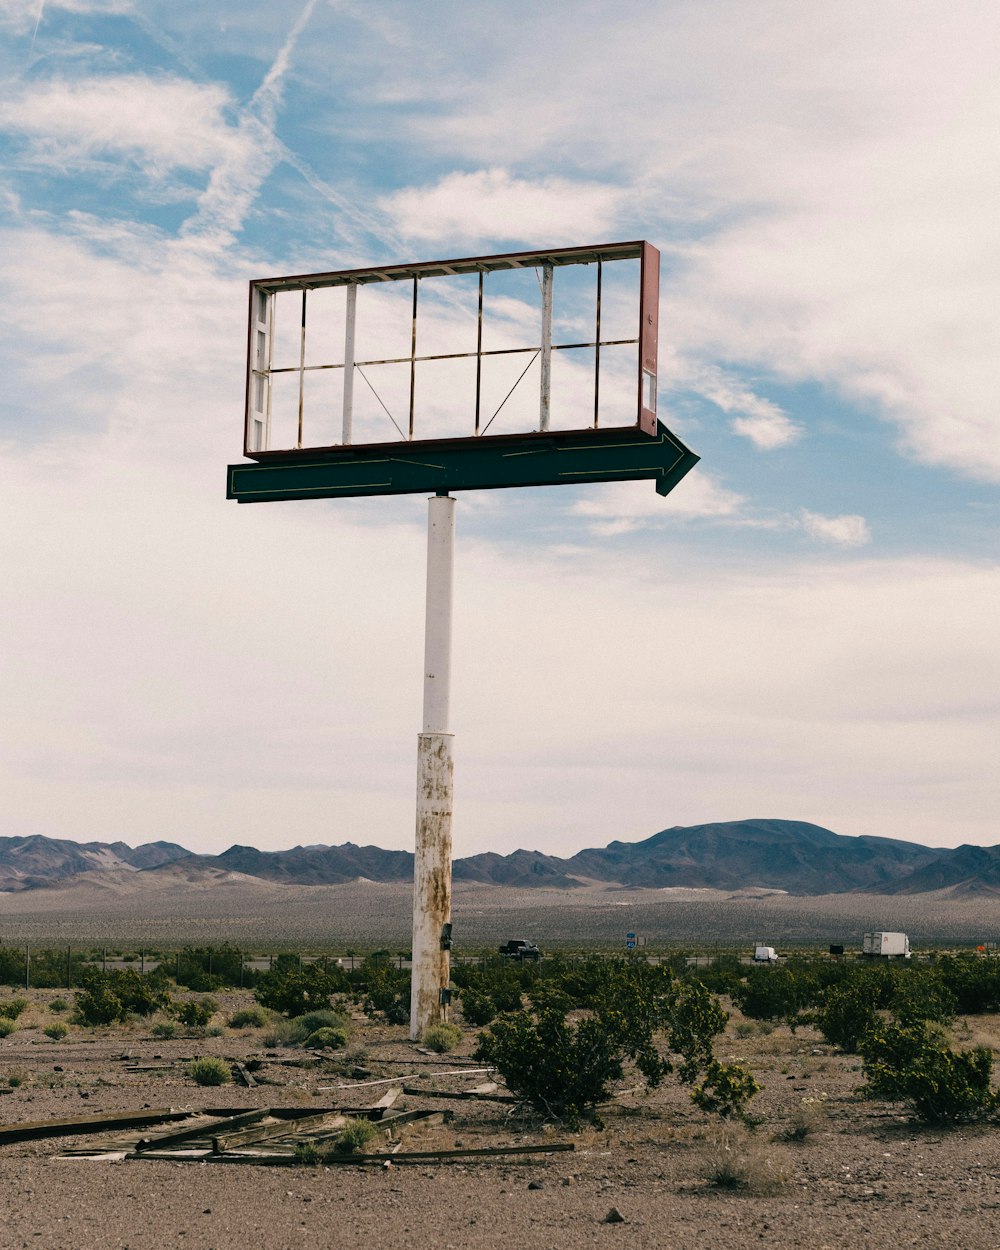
[[495, 363]]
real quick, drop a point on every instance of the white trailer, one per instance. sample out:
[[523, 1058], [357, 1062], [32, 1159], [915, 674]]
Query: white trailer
[[887, 945], [765, 955]]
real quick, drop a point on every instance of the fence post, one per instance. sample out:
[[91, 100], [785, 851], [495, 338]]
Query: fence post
[[69, 967], [27, 966]]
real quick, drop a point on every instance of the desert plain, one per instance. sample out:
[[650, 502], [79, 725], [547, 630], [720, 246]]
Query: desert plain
[[821, 1167]]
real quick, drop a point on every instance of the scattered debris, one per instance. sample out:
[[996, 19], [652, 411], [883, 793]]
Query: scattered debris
[[460, 1093], [74, 1124]]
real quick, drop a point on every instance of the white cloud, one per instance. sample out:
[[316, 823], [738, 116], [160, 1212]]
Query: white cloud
[[163, 124], [26, 15], [842, 531], [621, 507], [764, 423], [831, 171], [494, 204]]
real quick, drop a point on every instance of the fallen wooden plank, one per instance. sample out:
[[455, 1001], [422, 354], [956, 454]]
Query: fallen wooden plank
[[246, 1077], [380, 1160], [386, 1101], [204, 1128], [416, 1076], [410, 1117], [458, 1093], [97, 1123], [261, 1132]]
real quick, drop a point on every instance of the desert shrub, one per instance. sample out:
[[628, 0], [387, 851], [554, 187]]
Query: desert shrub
[[207, 968], [908, 1064], [477, 1008], [302, 1026], [164, 1030], [110, 996], [249, 1018], [849, 1014], [385, 990], [741, 1163], [564, 1069], [209, 1070], [7, 1026], [57, 1030], [328, 1038], [974, 983], [923, 995], [775, 993], [442, 1037], [355, 1137], [13, 1007], [805, 1120], [58, 1005], [196, 1012], [722, 975], [294, 990]]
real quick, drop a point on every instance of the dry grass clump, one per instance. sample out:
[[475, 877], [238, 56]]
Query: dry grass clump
[[807, 1119], [739, 1162]]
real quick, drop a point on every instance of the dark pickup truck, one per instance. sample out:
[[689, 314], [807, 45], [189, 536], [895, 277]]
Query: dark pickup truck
[[521, 949]]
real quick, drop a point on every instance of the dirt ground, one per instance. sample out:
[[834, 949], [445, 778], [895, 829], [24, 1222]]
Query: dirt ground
[[822, 1169]]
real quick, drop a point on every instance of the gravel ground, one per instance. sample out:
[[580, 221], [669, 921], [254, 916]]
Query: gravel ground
[[860, 1176]]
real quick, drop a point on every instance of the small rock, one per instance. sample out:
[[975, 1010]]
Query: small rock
[[568, 1180], [536, 1184], [614, 1216], [56, 1068]]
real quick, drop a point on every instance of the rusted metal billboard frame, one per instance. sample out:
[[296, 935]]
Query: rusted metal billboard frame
[[260, 338]]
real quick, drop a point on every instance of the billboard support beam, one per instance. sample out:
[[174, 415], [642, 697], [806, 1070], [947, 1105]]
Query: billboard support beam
[[431, 961]]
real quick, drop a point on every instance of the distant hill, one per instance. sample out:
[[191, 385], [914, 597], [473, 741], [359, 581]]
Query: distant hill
[[789, 855], [782, 854], [35, 862]]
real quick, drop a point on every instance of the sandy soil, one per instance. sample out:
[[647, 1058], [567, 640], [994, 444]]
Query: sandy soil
[[860, 1176], [136, 909]]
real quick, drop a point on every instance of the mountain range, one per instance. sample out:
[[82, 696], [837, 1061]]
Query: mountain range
[[788, 855]]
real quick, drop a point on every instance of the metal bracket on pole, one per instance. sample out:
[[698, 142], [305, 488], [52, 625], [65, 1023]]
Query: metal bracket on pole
[[435, 771]]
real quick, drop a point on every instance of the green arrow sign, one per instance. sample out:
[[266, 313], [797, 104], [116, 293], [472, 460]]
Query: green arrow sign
[[429, 467]]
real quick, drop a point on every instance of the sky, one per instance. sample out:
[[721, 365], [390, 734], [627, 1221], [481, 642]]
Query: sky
[[804, 629]]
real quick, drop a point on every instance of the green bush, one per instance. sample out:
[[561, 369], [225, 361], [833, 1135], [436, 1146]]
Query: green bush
[[293, 990], [7, 1026], [849, 1014], [326, 1038], [13, 1007], [249, 1018], [58, 1005], [442, 1037], [355, 1137], [973, 981], [111, 996], [164, 1030], [57, 1030], [905, 1063], [196, 1012], [477, 1008], [565, 1069], [209, 1070], [207, 968], [775, 993]]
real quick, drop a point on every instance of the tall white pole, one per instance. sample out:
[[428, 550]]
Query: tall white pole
[[432, 858], [350, 326], [545, 396]]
